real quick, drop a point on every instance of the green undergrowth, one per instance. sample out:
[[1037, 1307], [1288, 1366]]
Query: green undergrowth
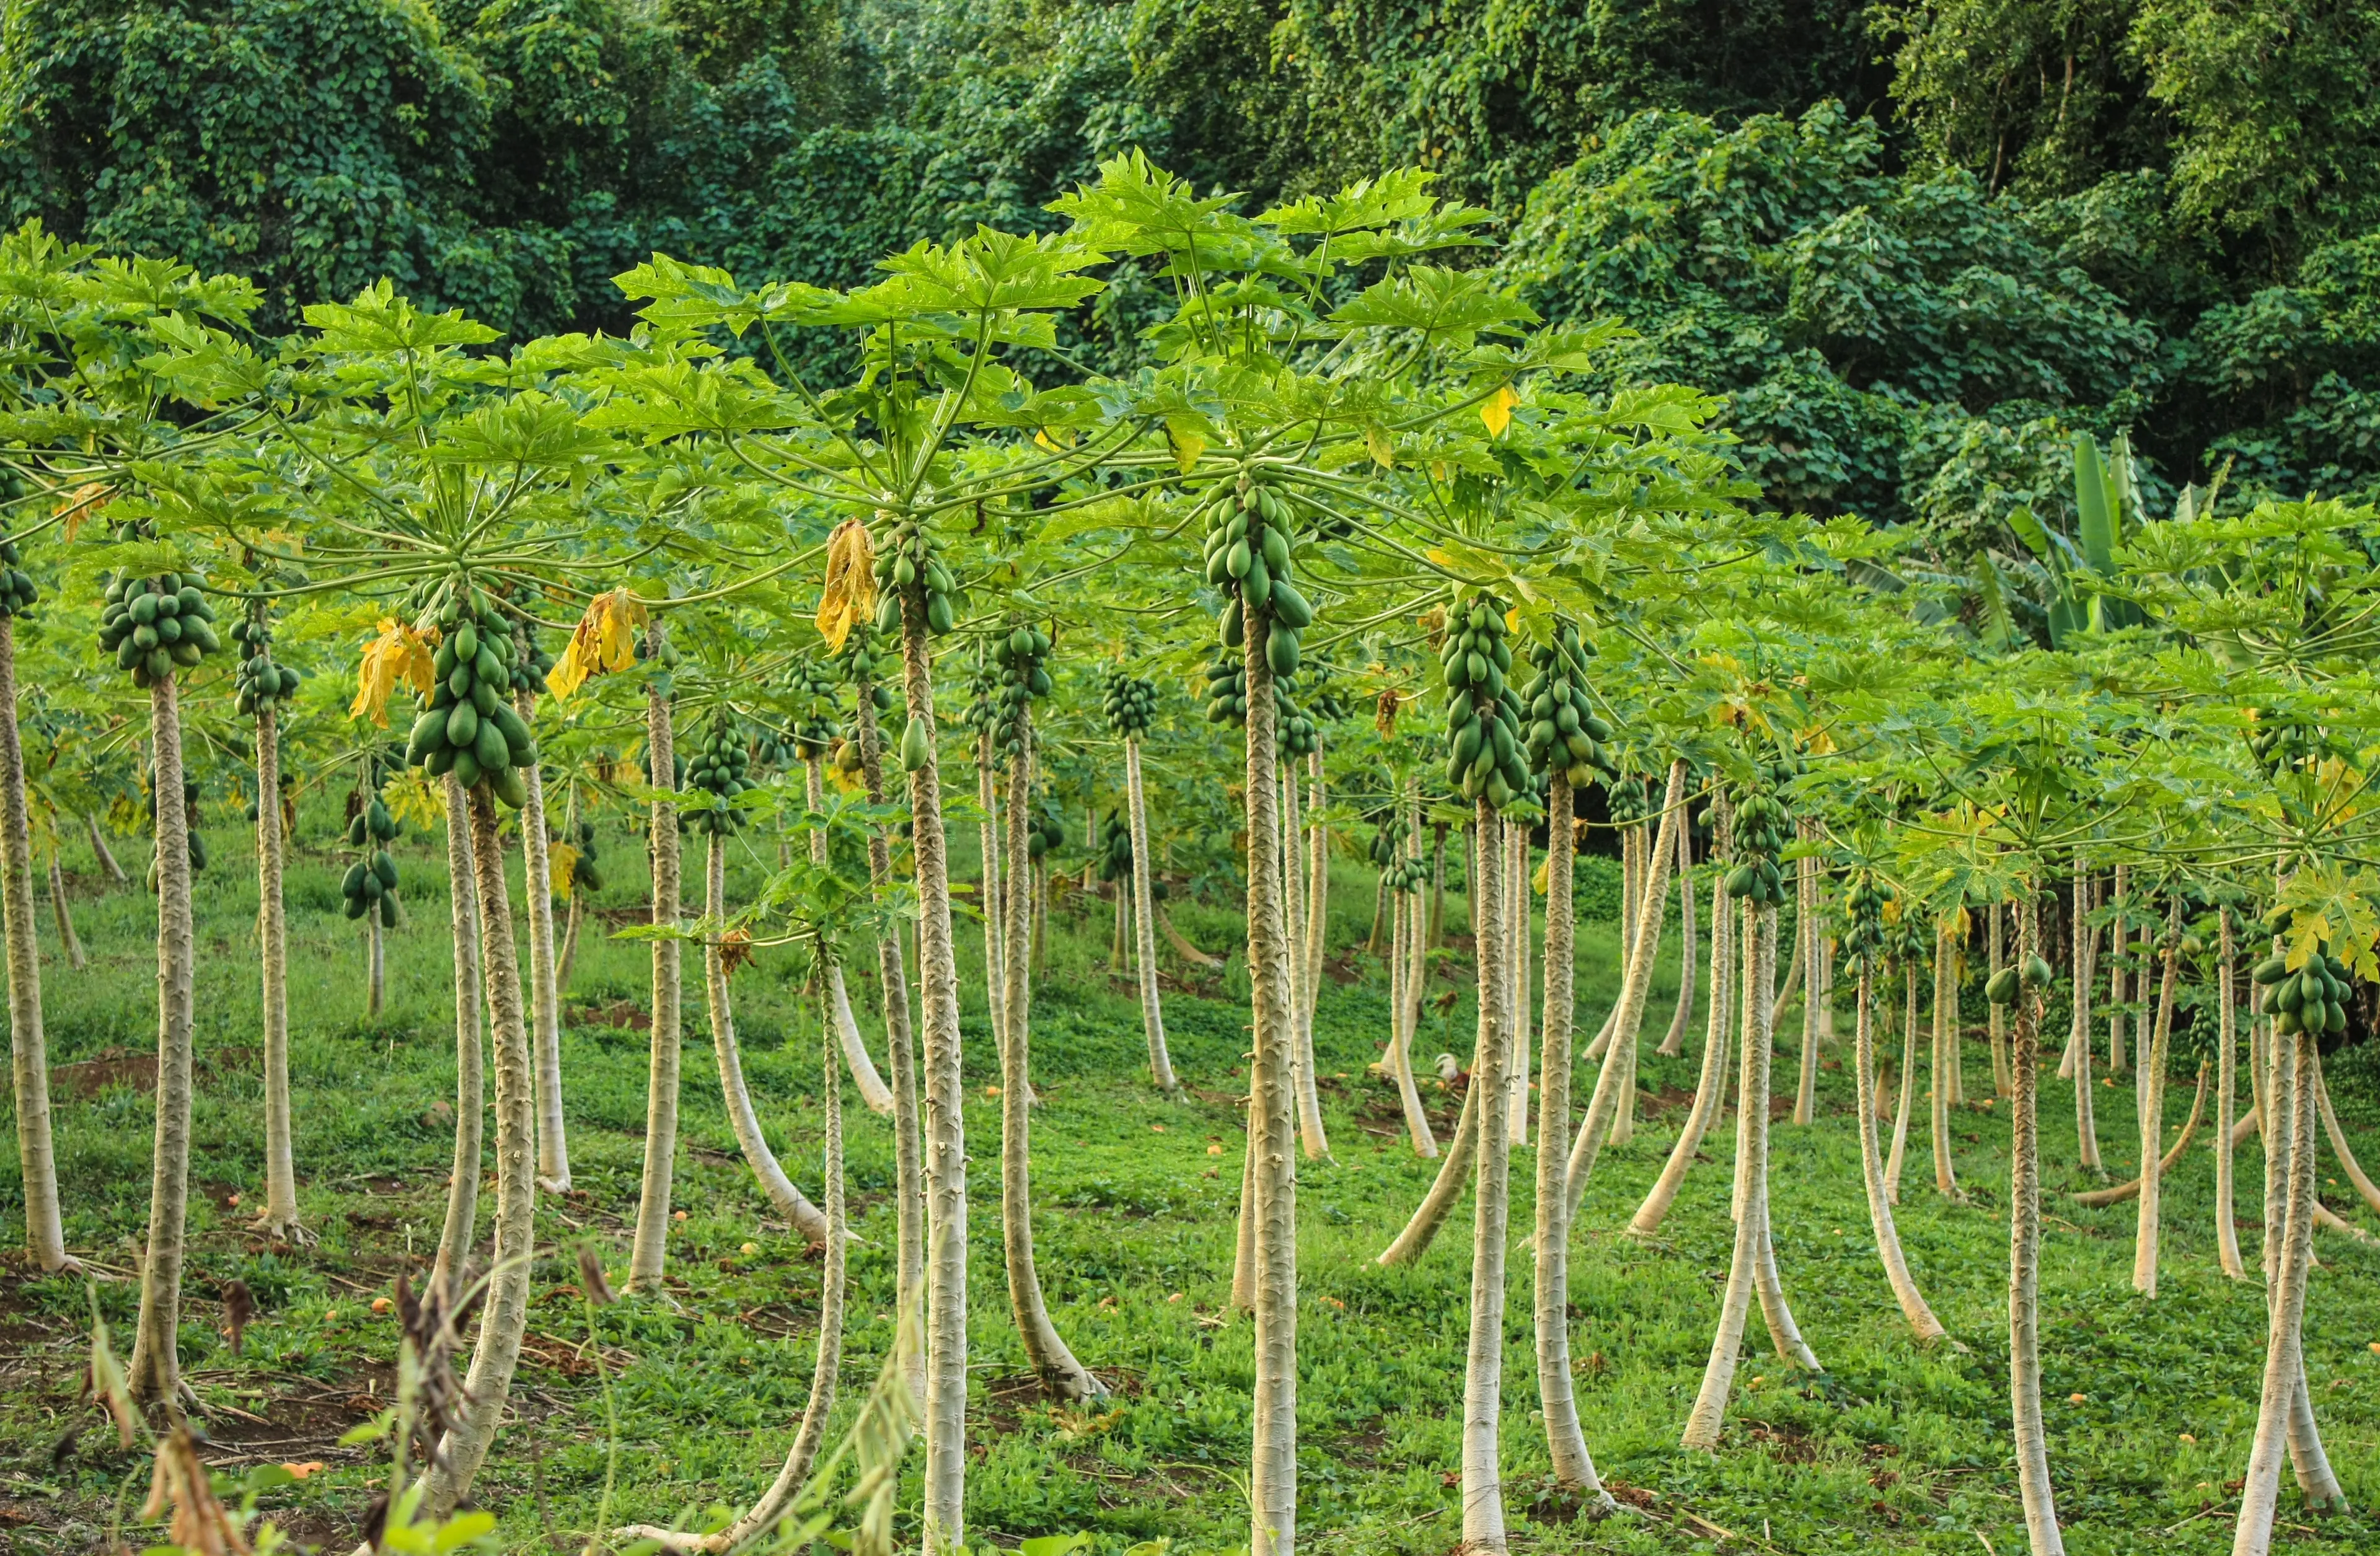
[[2150, 1403]]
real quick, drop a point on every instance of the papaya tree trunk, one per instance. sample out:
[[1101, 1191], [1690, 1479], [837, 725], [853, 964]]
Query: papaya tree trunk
[[2024, 1256], [944, 1140], [900, 1048], [2227, 1045], [650, 1252], [28, 1049], [873, 1093], [1311, 1135], [2119, 941], [65, 915], [375, 963], [1483, 1380], [1437, 887], [451, 1273], [1711, 1087], [994, 900], [1908, 1083], [1318, 910], [1922, 1321], [2152, 1059], [2086, 1129], [789, 1201], [1272, 1481], [105, 856], [1945, 1055], [1710, 1412], [504, 1319], [1045, 1350], [1999, 1012], [1574, 1465], [566, 957], [1805, 897], [1144, 921], [1518, 985], [1674, 1041], [155, 1374], [1403, 1020], [545, 975], [280, 1218]]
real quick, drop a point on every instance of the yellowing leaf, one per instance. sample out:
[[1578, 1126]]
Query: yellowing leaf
[[1377, 444], [1056, 439], [1439, 556], [850, 594], [399, 653], [82, 505], [1437, 471], [1512, 619], [604, 641], [1185, 442], [560, 868], [1497, 410]]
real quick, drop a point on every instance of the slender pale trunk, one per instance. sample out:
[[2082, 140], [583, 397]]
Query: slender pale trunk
[[2024, 1260], [65, 915], [1272, 1481], [1437, 886], [1712, 1086], [2365, 1187], [900, 1048], [2119, 942], [1406, 1020], [545, 977], [1311, 1137], [1517, 985], [280, 1216], [1674, 1041], [106, 857], [2288, 1167], [790, 1202], [1999, 1012], [504, 1319], [945, 1132], [994, 901], [1379, 915], [1908, 1081], [873, 1093], [28, 1051], [567, 956], [1914, 1307], [1318, 910], [2227, 1044], [1946, 1054], [155, 1374], [1766, 1284], [1620, 1054], [1805, 895], [1046, 1352], [2152, 1059], [2086, 1129], [451, 1273], [375, 962], [650, 1250], [1483, 1378], [1709, 1411], [1574, 1465]]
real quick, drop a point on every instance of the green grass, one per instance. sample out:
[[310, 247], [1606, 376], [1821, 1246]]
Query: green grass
[[1892, 1449]]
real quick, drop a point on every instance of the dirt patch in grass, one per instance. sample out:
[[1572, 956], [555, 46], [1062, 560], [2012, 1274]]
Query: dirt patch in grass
[[113, 1066]]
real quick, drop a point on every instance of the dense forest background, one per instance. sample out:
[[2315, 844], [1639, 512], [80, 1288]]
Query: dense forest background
[[1918, 246]]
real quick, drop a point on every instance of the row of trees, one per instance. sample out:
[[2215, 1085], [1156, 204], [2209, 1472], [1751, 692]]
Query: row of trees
[[1343, 447]]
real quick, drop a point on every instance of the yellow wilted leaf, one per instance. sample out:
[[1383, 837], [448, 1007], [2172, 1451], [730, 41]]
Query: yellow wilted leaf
[[82, 505], [603, 642], [1437, 471], [410, 798], [1537, 882], [1062, 440], [1185, 442], [850, 594], [1497, 410], [399, 653], [1512, 619], [1377, 444], [1438, 555], [560, 868], [1433, 623]]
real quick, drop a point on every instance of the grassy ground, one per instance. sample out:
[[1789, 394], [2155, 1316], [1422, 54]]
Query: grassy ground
[[2151, 1404]]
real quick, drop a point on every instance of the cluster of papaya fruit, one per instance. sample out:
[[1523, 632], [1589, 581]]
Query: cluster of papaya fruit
[[16, 591], [153, 626], [585, 874], [259, 683], [1251, 545], [1129, 702], [470, 726], [2033, 973], [1483, 716], [1763, 827], [1564, 733], [720, 768], [1864, 901], [906, 560], [1045, 832], [370, 884], [1400, 870], [1024, 675], [1115, 848], [1227, 689], [2312, 999]]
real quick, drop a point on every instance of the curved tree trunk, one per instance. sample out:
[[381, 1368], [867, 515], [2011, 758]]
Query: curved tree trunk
[[65, 915], [28, 1051], [1999, 1012], [1318, 905], [1406, 1020], [650, 1252], [1712, 1084], [1312, 1139], [1143, 924], [280, 1218], [2024, 1259], [504, 1319], [2152, 1059], [1272, 1479], [2227, 1043], [544, 979], [1045, 1350], [1908, 1084], [155, 1374], [790, 1202], [1921, 1317], [946, 1130], [1709, 1411], [1805, 895], [450, 1274], [1483, 1378], [375, 960], [900, 1048], [2338, 1146], [1674, 1041], [1945, 1055], [1517, 985], [994, 900], [873, 1093], [2292, 1095], [1620, 1053], [566, 955], [1574, 1465], [2086, 1129], [105, 856], [2119, 942], [2125, 1192], [1437, 886]]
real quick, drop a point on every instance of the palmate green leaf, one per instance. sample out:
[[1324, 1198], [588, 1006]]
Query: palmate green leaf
[[380, 321], [1398, 195], [1136, 208], [524, 431], [685, 297], [1451, 307], [988, 273], [673, 398]]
